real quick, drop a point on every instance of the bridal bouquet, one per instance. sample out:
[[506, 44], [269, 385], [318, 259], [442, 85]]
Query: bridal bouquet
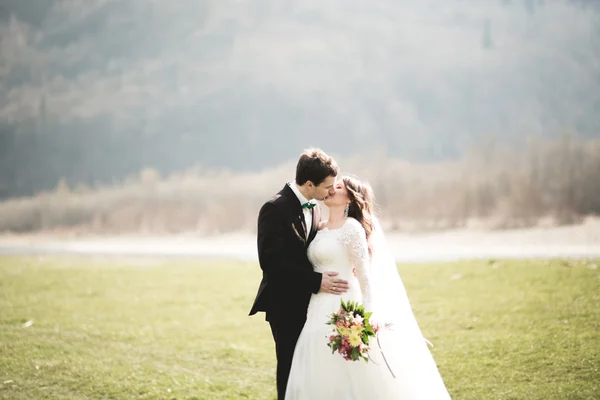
[[352, 332]]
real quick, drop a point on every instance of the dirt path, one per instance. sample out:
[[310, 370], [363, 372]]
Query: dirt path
[[578, 241]]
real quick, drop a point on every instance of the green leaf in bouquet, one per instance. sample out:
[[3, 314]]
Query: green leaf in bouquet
[[345, 305], [355, 354]]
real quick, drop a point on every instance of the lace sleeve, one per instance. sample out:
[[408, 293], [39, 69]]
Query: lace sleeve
[[354, 239]]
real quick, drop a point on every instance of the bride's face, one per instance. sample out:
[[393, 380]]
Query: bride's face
[[339, 198]]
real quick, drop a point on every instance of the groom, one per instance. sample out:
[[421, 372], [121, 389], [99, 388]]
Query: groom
[[287, 223]]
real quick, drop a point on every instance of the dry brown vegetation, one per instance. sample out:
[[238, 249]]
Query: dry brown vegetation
[[550, 182]]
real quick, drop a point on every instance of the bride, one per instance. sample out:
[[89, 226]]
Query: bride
[[352, 243]]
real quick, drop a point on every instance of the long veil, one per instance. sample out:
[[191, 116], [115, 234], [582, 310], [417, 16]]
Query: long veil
[[402, 343]]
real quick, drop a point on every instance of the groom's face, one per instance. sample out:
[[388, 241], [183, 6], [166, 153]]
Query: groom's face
[[326, 188]]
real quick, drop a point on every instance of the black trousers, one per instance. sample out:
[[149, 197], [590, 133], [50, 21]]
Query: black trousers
[[285, 336]]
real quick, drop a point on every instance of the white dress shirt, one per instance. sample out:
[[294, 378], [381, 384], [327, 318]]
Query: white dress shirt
[[308, 216]]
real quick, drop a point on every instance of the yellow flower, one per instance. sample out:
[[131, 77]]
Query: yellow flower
[[357, 330], [343, 331], [354, 340]]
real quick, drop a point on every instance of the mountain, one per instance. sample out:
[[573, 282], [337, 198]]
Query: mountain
[[95, 90]]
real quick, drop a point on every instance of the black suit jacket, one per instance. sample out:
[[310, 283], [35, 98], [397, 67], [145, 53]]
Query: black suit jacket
[[288, 276]]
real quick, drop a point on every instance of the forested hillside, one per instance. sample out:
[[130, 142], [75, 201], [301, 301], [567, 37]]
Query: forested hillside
[[96, 90]]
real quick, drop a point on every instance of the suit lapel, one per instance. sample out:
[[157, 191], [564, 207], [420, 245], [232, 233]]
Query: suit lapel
[[295, 209], [316, 218], [301, 225]]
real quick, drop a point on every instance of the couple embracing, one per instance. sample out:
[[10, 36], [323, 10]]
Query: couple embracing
[[309, 265]]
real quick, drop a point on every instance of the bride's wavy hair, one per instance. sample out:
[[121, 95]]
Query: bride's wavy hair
[[362, 205]]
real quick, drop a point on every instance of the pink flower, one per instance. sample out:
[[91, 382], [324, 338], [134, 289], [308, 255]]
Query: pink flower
[[339, 323], [375, 327]]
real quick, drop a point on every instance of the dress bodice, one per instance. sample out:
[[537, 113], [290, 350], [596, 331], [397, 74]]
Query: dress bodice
[[343, 250], [327, 252]]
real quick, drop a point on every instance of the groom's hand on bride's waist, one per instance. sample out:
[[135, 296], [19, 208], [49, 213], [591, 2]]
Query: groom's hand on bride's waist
[[333, 285]]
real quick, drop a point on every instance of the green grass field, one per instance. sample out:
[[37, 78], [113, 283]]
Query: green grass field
[[109, 328]]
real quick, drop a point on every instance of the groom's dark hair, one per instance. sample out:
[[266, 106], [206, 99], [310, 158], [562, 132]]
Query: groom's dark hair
[[315, 165]]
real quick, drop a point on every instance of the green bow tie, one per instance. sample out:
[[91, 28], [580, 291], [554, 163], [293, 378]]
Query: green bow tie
[[308, 205]]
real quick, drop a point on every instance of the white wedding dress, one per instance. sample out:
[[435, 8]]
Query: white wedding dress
[[318, 374]]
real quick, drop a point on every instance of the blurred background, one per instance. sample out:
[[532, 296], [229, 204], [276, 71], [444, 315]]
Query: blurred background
[[162, 118]]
